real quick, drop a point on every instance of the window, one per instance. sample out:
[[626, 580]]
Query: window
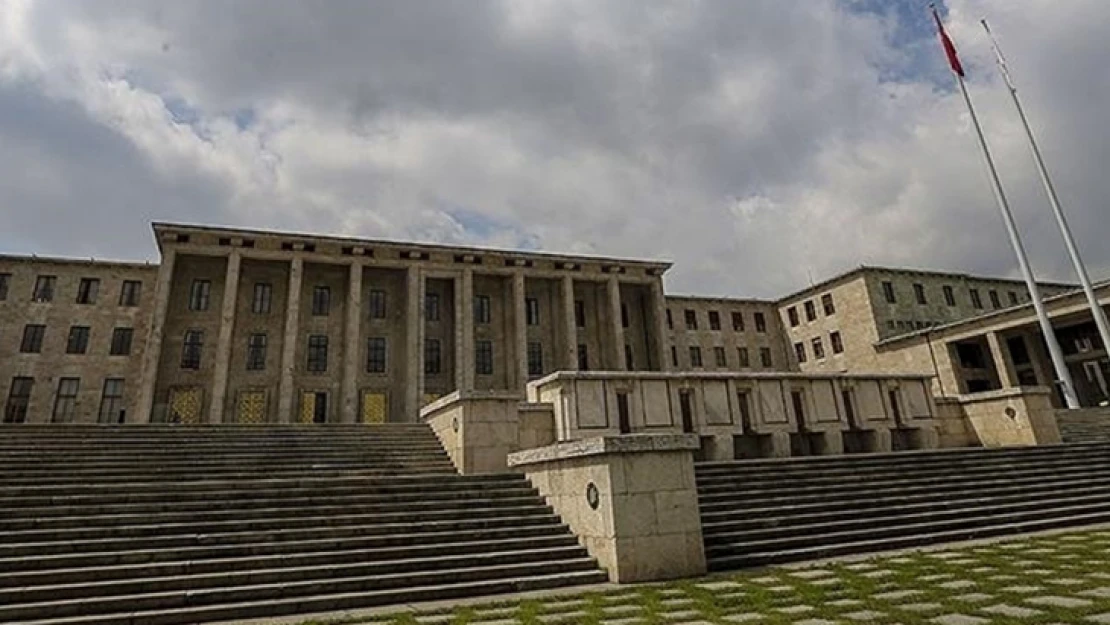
[[792, 316], [321, 301], [433, 363], [800, 351], [256, 352], [818, 349], [765, 357], [431, 306], [32, 338], [949, 295], [760, 323], [995, 301], [535, 358], [674, 356], [111, 401], [191, 347], [5, 278], [532, 311], [263, 297], [888, 292], [695, 356], [919, 293], [18, 397], [827, 304], [737, 321], [976, 301], [691, 319], [129, 293], [375, 354], [579, 313], [317, 353], [670, 320], [743, 357], [811, 311], [121, 342], [87, 290], [583, 358], [44, 289], [481, 309], [719, 357], [629, 363], [714, 320], [377, 304], [78, 341], [1013, 298], [483, 357], [198, 295], [837, 342], [65, 402], [624, 315]]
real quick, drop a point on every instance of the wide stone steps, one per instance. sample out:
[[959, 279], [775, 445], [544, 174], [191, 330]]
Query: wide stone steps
[[167, 524], [762, 512]]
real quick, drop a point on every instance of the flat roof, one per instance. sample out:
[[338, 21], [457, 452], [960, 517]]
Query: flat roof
[[67, 260]]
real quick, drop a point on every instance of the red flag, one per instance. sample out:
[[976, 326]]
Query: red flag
[[949, 48]]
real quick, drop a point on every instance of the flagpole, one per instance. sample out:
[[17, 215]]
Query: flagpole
[[1063, 376], [1096, 310]]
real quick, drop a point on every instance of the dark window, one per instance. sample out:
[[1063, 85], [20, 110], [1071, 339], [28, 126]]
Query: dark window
[[744, 401], [375, 354], [44, 289], [535, 358], [995, 301], [1019, 353], [5, 278], [714, 320], [827, 304], [670, 320], [737, 321], [691, 317], [743, 357], [111, 401], [623, 422], [198, 295], [481, 309], [377, 304], [624, 316], [765, 357], [532, 311], [976, 301], [431, 306], [191, 348], [837, 342], [919, 293], [818, 349], [798, 400], [811, 311], [888, 292], [18, 397], [949, 295], [686, 410], [848, 397], [970, 356], [32, 338], [317, 353], [895, 405], [800, 351], [65, 402], [121, 342], [263, 298], [130, 292], [579, 313], [674, 356], [483, 357], [321, 301], [432, 357], [760, 322], [695, 356], [583, 358], [256, 352], [1013, 298], [719, 357], [87, 290], [78, 341], [792, 316]]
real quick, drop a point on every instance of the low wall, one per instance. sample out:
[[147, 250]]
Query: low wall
[[1012, 416], [480, 429]]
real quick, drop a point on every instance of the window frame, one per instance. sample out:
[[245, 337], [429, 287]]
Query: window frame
[[715, 320], [200, 294], [316, 354], [919, 294], [78, 337], [690, 318], [120, 344], [17, 404], [44, 288], [743, 357], [766, 358], [110, 405], [828, 305], [889, 293], [949, 295], [88, 290], [695, 357], [836, 341], [483, 357], [810, 309], [483, 315], [321, 300], [378, 304], [720, 358], [431, 307], [130, 293], [760, 322], [377, 354], [534, 353], [192, 348], [34, 334], [433, 357], [258, 344], [531, 311], [65, 403], [262, 298], [800, 352]]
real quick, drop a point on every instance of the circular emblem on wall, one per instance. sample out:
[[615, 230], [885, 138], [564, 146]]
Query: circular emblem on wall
[[593, 497], [1010, 412], [455, 424]]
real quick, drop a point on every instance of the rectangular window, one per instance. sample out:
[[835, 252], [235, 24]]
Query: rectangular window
[[431, 306], [695, 356], [765, 357], [78, 341], [19, 396], [837, 342], [317, 353], [714, 320], [191, 348], [737, 321], [129, 293], [719, 357], [743, 357], [976, 301], [375, 354], [65, 402], [263, 298], [691, 318], [674, 356], [121, 342], [670, 320], [744, 402], [949, 295], [481, 309], [32, 338], [800, 351], [827, 304], [483, 357], [811, 310], [583, 358], [5, 279], [818, 349], [629, 362], [532, 311], [792, 316], [433, 364], [377, 304], [44, 289], [111, 401], [888, 292], [624, 316], [535, 358], [321, 301], [579, 313], [198, 295], [919, 293], [87, 290], [624, 422], [760, 323], [256, 352], [996, 303], [1013, 298]]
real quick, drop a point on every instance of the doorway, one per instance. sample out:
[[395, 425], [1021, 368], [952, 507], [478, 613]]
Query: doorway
[[687, 410], [314, 407]]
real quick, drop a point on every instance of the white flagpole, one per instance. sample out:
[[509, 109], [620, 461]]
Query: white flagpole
[[1096, 310]]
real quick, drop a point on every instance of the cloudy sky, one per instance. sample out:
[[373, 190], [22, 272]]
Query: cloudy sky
[[759, 144]]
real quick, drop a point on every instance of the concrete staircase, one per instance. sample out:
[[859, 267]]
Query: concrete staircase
[[771, 511], [175, 524], [1086, 425]]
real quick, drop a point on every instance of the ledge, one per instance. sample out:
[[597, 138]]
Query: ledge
[[1003, 393], [558, 376], [601, 445], [456, 396]]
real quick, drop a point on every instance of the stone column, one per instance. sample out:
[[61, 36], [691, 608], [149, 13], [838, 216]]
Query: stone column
[[658, 326], [1003, 364], [570, 326], [464, 331], [291, 332], [613, 293], [352, 345], [520, 332], [152, 354], [217, 407], [414, 338]]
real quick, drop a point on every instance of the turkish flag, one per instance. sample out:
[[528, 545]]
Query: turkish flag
[[949, 48]]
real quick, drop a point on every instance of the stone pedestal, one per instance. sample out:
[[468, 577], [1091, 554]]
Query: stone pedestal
[[479, 429], [631, 500]]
